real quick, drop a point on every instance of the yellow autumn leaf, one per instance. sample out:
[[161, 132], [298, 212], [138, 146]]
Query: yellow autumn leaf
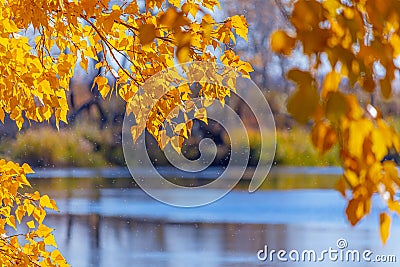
[[53, 204], [31, 224], [354, 110], [394, 206], [240, 25], [341, 186], [100, 81], [176, 3], [386, 88], [84, 63], [176, 143], [379, 146], [336, 107], [331, 83], [57, 257], [181, 128], [11, 222], [174, 19], [35, 196], [39, 215], [303, 104], [358, 131], [147, 33], [20, 213], [164, 139], [281, 42], [355, 211], [183, 53], [323, 136], [245, 68], [384, 222], [29, 208], [45, 202], [2, 115], [102, 85], [132, 8], [136, 131], [301, 78], [43, 230], [201, 114], [50, 241], [27, 168], [104, 90]]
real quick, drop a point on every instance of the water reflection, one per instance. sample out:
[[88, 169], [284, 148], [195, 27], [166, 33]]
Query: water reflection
[[105, 241], [110, 222]]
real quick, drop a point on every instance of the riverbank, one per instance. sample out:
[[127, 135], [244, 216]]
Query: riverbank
[[85, 145]]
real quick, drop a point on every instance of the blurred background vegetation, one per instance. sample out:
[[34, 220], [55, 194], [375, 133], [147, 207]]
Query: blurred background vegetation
[[94, 140], [93, 136]]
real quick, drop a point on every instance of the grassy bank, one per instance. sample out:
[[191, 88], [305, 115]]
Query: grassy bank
[[294, 148], [84, 145]]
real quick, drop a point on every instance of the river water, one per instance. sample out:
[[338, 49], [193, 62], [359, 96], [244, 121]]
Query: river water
[[111, 222]]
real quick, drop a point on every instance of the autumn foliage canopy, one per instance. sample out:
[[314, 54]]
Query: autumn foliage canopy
[[360, 41]]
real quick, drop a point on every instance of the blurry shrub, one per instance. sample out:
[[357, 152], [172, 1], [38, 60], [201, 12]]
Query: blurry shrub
[[105, 142], [85, 145], [45, 146], [294, 148]]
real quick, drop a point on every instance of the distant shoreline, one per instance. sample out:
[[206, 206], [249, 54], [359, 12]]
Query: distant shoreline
[[209, 173]]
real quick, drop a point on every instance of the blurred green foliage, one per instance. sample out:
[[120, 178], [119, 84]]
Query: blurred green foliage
[[294, 148], [83, 145]]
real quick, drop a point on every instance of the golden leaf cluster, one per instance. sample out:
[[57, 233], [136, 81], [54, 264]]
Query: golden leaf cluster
[[359, 39], [36, 71], [169, 96], [37, 247]]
